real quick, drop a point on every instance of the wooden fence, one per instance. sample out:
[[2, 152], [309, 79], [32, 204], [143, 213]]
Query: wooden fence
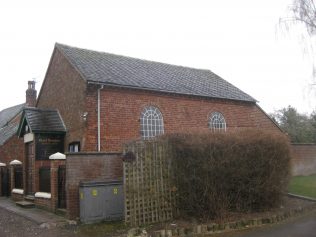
[[147, 183]]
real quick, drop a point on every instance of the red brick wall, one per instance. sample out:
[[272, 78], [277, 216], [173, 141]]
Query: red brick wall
[[64, 89], [44, 203], [12, 149], [121, 110], [304, 159], [17, 197], [88, 167]]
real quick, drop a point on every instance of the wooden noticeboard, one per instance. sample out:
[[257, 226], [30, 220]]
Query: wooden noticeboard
[[48, 144]]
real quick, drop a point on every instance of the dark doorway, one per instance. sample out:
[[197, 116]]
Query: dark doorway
[[62, 187], [44, 179], [18, 177], [5, 181]]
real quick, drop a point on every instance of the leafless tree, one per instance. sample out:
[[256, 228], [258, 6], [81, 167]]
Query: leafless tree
[[303, 13]]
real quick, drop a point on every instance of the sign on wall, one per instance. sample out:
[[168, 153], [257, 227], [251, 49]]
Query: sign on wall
[[48, 144]]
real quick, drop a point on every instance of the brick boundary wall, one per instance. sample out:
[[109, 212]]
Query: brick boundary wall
[[17, 197], [88, 167], [304, 159], [44, 203]]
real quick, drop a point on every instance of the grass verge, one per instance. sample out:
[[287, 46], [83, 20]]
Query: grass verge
[[303, 185], [103, 229]]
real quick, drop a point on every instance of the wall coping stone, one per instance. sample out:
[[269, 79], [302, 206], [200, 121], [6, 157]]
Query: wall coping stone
[[57, 156], [17, 191], [43, 195], [92, 153], [15, 162]]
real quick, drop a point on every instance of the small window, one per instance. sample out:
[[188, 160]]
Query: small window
[[74, 147], [151, 122], [217, 122]]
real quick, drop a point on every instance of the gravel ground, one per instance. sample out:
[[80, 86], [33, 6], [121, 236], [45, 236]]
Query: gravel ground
[[12, 225]]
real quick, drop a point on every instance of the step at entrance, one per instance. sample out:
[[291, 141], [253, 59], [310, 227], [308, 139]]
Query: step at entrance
[[61, 212], [29, 198], [25, 204]]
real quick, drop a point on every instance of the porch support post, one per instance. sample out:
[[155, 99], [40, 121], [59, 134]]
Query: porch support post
[[12, 183], [54, 183]]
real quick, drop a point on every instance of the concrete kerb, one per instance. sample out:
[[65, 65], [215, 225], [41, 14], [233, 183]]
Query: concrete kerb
[[302, 197], [41, 217]]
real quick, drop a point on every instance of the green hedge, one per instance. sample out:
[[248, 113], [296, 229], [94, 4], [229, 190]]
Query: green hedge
[[221, 172]]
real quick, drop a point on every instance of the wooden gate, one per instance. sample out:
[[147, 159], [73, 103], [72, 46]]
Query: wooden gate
[[62, 186]]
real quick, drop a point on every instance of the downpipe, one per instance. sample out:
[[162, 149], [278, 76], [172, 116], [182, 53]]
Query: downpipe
[[99, 118]]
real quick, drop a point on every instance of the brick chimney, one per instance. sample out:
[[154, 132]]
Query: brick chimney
[[31, 94]]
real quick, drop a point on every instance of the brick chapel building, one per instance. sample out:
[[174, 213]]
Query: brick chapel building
[[93, 102], [106, 99]]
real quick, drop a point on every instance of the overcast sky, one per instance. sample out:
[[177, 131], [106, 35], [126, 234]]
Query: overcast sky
[[238, 40]]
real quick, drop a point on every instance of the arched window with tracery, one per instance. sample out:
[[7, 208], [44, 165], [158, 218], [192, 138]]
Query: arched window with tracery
[[217, 122], [151, 122]]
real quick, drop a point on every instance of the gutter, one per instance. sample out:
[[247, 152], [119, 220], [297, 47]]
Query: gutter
[[254, 101], [99, 118]]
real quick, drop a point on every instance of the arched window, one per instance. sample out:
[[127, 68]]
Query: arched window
[[151, 122], [217, 121]]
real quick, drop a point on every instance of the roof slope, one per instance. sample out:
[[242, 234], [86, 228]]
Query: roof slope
[[7, 132], [42, 120], [115, 70], [9, 113]]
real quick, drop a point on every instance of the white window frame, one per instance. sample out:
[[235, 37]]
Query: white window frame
[[151, 122], [217, 122]]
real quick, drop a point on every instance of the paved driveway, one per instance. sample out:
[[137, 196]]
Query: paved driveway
[[302, 227]]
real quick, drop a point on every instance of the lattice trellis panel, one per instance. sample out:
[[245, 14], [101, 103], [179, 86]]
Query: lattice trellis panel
[[147, 183]]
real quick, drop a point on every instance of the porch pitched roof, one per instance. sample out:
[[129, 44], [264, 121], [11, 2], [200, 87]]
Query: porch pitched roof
[[41, 121]]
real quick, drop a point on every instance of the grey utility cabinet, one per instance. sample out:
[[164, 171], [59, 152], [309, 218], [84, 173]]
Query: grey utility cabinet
[[101, 201]]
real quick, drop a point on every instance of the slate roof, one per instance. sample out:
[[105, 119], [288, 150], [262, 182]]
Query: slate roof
[[115, 70], [7, 132], [42, 120], [9, 113]]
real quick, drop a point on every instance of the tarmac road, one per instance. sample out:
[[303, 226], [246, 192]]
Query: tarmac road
[[13, 225], [304, 226]]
